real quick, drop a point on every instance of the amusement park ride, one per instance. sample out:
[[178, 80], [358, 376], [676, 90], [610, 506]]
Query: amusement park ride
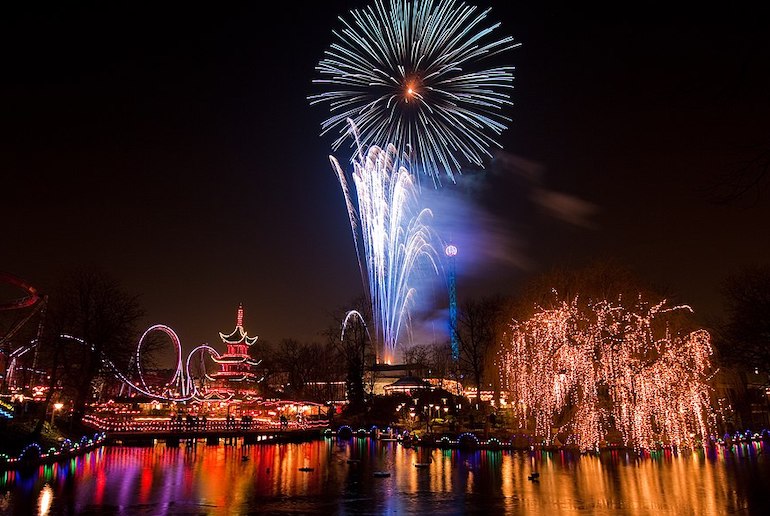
[[35, 304], [236, 374]]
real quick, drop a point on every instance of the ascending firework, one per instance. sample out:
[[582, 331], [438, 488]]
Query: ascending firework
[[413, 74], [394, 240]]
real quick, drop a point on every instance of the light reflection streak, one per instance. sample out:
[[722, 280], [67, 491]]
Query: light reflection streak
[[205, 478], [45, 500]]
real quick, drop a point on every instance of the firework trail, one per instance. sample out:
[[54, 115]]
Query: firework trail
[[391, 234], [417, 74]]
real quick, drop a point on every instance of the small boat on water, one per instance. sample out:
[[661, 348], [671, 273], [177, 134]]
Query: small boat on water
[[422, 464], [354, 461], [388, 435], [381, 474], [306, 469]]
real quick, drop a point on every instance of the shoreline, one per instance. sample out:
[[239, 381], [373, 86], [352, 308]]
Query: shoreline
[[33, 456], [468, 440]]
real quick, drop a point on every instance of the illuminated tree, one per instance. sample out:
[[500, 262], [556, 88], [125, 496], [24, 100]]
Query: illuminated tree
[[594, 368]]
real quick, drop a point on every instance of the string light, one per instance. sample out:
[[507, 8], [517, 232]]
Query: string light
[[591, 371]]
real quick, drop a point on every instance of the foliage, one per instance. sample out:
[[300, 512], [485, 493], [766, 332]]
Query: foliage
[[593, 368], [479, 326], [746, 334], [102, 317], [350, 337]]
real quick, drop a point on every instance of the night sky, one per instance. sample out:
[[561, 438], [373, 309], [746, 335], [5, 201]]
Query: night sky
[[174, 147]]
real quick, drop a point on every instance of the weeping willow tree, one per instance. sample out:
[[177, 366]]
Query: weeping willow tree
[[593, 370]]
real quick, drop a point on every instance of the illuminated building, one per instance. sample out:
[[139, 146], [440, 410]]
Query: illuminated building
[[408, 385], [236, 365]]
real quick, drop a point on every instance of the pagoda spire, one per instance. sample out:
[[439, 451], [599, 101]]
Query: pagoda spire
[[238, 335]]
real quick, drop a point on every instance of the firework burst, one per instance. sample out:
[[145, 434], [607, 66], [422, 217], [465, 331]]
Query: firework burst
[[413, 73]]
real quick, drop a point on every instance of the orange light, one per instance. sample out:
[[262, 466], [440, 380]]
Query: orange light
[[410, 91]]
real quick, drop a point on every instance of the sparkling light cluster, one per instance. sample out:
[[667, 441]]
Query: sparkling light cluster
[[66, 448], [395, 236], [603, 373], [165, 424], [415, 73]]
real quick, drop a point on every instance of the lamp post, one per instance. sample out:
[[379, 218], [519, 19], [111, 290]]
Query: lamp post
[[56, 406]]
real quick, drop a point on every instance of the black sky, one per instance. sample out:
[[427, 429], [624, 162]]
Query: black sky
[[173, 146]]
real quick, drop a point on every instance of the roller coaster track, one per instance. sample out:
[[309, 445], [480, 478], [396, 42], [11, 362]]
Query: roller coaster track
[[181, 387], [182, 379], [30, 299]]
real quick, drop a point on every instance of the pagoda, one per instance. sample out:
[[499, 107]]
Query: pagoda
[[236, 364]]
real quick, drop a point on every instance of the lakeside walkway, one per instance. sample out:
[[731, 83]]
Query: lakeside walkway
[[33, 454], [172, 431]]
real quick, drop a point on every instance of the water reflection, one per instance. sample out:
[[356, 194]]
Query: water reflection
[[44, 501], [337, 476]]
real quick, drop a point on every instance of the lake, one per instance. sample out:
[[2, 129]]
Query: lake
[[335, 476]]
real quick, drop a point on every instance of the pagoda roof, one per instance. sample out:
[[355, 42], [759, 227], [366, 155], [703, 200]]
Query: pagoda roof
[[235, 376], [238, 336], [235, 359], [216, 395]]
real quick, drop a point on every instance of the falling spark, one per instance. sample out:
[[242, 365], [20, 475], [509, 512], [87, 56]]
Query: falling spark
[[391, 234]]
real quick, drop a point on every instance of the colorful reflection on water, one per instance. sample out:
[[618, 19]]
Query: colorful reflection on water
[[340, 479]]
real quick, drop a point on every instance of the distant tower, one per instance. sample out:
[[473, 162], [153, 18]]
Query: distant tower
[[451, 252], [236, 364]]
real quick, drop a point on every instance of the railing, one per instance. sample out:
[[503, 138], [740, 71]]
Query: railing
[[213, 425], [33, 453], [6, 410]]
